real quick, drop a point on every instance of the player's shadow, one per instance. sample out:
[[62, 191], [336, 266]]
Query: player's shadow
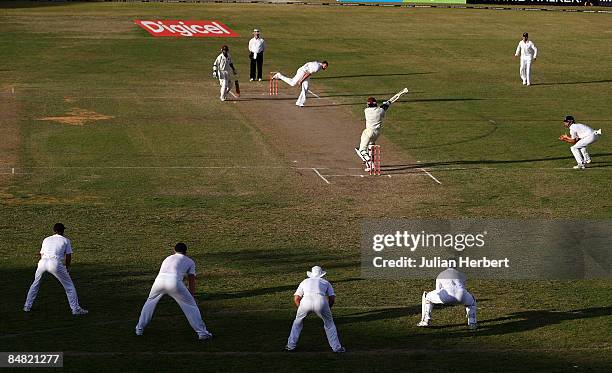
[[289, 289], [581, 82], [379, 314], [529, 320], [398, 168], [361, 103], [369, 75]]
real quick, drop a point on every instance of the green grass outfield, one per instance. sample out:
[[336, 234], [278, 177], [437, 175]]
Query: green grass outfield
[[491, 141]]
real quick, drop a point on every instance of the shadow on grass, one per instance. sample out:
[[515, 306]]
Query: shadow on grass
[[528, 320], [361, 103], [396, 168], [369, 75], [289, 289], [581, 82]]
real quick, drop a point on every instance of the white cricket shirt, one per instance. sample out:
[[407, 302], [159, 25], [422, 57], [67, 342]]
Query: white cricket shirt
[[179, 265], [223, 63], [55, 247], [526, 50], [450, 279], [314, 286], [374, 117], [580, 131], [312, 67], [257, 45]]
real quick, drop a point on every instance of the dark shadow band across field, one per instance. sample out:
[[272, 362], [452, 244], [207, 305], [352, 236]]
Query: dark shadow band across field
[[400, 167]]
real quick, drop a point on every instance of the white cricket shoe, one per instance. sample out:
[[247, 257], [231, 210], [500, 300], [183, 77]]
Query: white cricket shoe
[[259, 80], [289, 349], [80, 312], [473, 327], [26, 309], [139, 332], [579, 167], [587, 161], [340, 350], [299, 105], [205, 337], [250, 80], [423, 323]]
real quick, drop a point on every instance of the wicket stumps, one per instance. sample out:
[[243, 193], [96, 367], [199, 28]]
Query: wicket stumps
[[374, 152], [273, 84]]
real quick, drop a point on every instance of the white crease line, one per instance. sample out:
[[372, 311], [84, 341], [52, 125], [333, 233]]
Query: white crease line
[[321, 176], [430, 175], [314, 94]]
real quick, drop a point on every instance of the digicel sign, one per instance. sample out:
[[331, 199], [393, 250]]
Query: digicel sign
[[196, 29]]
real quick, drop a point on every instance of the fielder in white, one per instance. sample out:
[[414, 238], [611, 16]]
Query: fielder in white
[[302, 78], [170, 281], [315, 295], [374, 117], [55, 257], [223, 67], [450, 289], [579, 138], [527, 52]]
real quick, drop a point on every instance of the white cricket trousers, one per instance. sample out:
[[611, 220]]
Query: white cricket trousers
[[525, 70], [368, 137], [173, 286], [319, 305], [225, 81], [449, 296], [579, 149], [58, 269], [294, 81]]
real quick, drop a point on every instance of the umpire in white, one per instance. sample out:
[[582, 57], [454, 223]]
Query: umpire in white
[[55, 257], [170, 281], [315, 295], [257, 46]]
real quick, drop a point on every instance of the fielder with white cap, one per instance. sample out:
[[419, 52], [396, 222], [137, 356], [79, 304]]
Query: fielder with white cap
[[580, 136], [302, 78], [374, 117], [55, 257], [170, 281], [450, 289], [527, 52], [315, 295], [221, 69]]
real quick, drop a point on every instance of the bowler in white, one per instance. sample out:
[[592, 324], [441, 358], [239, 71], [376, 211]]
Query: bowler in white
[[170, 281], [527, 52], [315, 294], [582, 136], [55, 258], [302, 78], [450, 289]]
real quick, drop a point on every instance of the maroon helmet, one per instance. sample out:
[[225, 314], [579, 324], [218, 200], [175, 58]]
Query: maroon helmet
[[372, 102]]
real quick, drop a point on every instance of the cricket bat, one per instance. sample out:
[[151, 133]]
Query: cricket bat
[[398, 95]]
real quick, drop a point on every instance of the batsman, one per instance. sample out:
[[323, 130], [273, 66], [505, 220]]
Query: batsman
[[374, 116]]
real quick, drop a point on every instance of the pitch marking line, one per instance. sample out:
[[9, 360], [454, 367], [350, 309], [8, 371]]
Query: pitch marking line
[[314, 94], [321, 176], [430, 175]]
